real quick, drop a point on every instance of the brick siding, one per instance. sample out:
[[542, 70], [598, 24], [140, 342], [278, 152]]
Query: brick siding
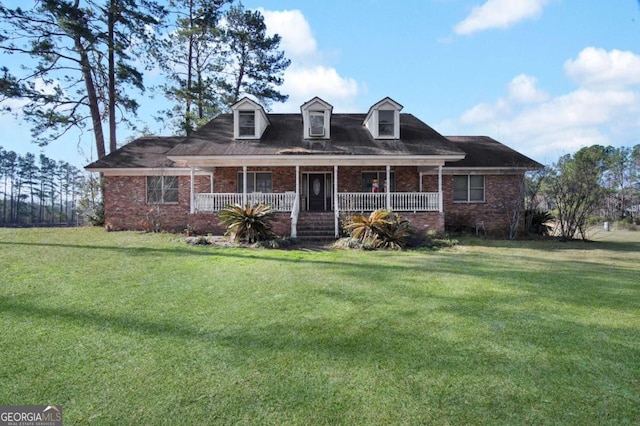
[[126, 207]]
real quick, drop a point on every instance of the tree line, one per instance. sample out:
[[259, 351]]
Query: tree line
[[596, 183], [38, 190], [83, 61]]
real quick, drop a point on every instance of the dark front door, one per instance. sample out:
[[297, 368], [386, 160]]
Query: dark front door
[[316, 193]]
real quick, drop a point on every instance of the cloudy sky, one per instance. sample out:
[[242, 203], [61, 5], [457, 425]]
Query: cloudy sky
[[545, 77]]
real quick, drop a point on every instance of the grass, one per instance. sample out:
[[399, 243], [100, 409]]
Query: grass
[[129, 328]]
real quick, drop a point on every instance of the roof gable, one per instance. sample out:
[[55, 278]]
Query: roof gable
[[260, 120], [316, 103], [383, 119], [316, 119]]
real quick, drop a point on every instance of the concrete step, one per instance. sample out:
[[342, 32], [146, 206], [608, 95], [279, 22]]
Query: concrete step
[[316, 225]]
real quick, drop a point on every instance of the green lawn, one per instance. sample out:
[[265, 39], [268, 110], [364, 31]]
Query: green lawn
[[129, 328]]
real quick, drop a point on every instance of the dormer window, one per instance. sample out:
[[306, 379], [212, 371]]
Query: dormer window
[[383, 119], [247, 123], [386, 122], [316, 123], [316, 119], [249, 119]]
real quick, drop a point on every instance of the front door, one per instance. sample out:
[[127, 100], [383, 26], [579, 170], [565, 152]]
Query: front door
[[317, 198]]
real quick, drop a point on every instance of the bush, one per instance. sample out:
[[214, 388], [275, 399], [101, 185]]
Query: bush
[[248, 224], [537, 222], [94, 214], [381, 229]]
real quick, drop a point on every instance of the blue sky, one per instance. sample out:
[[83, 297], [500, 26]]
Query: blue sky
[[545, 77]]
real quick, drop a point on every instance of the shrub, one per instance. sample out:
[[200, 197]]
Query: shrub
[[538, 222], [248, 224], [381, 229]]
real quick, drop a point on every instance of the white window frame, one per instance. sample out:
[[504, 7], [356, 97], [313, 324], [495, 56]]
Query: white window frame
[[469, 188], [316, 114], [381, 177], [252, 181], [164, 188], [246, 113], [392, 125]]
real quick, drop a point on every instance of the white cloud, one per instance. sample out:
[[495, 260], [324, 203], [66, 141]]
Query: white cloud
[[603, 109], [297, 40], [303, 83], [499, 14], [598, 68], [308, 75], [523, 89]]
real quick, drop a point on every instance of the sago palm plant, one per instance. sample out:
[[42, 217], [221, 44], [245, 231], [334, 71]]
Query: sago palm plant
[[248, 224], [381, 229]]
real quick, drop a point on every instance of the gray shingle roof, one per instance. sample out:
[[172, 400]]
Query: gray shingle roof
[[144, 152], [285, 136], [483, 151]]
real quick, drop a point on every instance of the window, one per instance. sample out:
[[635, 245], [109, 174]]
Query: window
[[162, 189], [385, 122], [247, 123], [469, 188], [256, 182], [316, 123], [369, 178]]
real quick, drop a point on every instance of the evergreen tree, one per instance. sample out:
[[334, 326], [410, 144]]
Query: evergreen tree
[[190, 59], [254, 65], [64, 83]]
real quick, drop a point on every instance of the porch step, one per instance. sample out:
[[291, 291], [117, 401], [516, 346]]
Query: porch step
[[316, 225]]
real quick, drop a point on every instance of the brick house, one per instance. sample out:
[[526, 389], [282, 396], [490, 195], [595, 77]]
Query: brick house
[[312, 168]]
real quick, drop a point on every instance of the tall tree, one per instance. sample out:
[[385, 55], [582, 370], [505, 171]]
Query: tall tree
[[125, 20], [10, 166], [254, 65], [3, 153], [190, 58], [28, 176], [575, 186], [63, 84], [47, 176]]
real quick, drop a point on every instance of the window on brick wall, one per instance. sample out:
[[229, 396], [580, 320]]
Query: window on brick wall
[[379, 178], [162, 189], [468, 188], [256, 182]]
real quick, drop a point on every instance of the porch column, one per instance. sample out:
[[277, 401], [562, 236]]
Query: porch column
[[297, 181], [211, 179], [440, 189], [295, 211], [244, 186], [192, 195], [387, 186], [336, 208]]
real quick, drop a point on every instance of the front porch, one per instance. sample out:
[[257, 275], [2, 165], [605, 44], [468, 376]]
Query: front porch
[[292, 190]]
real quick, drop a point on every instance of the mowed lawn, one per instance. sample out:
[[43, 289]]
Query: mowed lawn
[[129, 328]]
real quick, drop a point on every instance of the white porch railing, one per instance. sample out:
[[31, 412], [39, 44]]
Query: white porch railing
[[213, 202], [347, 201], [400, 201]]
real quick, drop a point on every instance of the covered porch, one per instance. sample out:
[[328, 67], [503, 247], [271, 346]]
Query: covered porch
[[314, 185]]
